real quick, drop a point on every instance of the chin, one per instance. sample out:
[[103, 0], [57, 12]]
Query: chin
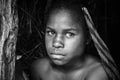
[[59, 62]]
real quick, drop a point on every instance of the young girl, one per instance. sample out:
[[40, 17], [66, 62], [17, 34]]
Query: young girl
[[69, 36]]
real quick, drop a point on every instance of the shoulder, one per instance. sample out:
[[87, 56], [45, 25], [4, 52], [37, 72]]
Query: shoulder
[[40, 66], [40, 61], [96, 72]]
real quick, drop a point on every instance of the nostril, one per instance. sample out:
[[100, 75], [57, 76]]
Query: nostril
[[57, 45]]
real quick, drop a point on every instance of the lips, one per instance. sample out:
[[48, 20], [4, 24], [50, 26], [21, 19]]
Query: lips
[[57, 55]]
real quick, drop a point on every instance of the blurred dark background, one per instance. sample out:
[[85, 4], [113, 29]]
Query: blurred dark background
[[113, 21], [105, 14]]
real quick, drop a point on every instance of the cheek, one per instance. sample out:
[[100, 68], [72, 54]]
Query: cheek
[[48, 43], [75, 46]]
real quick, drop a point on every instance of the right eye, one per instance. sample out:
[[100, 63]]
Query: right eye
[[50, 33]]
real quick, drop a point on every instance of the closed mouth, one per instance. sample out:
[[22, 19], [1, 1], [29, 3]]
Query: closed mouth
[[61, 54], [57, 56], [57, 59]]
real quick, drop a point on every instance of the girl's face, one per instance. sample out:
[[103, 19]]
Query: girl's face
[[64, 37]]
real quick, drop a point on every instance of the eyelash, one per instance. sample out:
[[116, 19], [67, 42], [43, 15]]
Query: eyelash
[[51, 33], [67, 34], [70, 34]]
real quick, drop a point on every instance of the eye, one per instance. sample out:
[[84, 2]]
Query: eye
[[70, 34], [50, 33]]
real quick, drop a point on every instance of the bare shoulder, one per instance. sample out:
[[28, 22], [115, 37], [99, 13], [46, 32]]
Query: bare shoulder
[[96, 72], [40, 66]]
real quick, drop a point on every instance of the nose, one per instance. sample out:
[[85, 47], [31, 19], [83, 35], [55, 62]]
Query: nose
[[58, 42]]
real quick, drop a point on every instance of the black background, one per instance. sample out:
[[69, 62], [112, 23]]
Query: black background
[[30, 12], [113, 21]]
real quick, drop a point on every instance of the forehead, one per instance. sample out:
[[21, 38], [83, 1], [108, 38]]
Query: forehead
[[63, 17]]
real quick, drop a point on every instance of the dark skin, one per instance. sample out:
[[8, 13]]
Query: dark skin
[[43, 67], [65, 43]]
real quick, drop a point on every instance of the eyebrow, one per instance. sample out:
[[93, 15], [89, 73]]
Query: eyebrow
[[71, 29], [65, 30], [50, 28]]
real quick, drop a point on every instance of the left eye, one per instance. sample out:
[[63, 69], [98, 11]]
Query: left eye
[[69, 34]]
